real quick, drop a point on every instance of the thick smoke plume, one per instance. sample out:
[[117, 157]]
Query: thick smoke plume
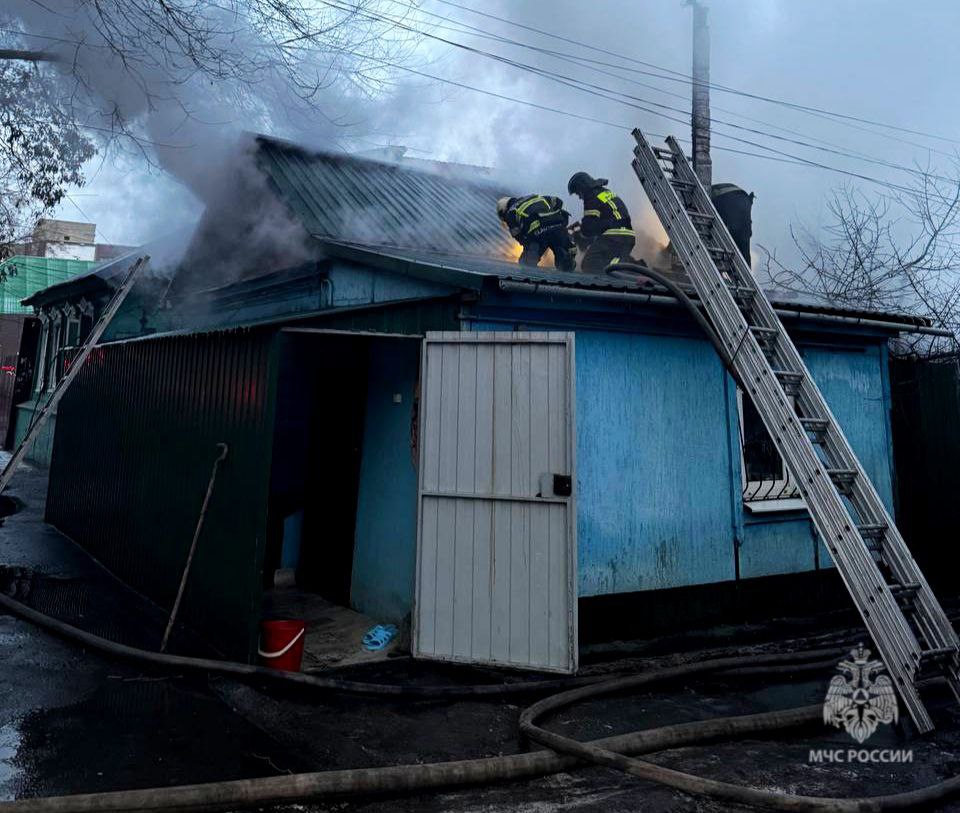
[[247, 230], [180, 85]]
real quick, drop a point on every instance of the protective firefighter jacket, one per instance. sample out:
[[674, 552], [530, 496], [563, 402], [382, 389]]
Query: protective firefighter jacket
[[535, 215], [604, 213]]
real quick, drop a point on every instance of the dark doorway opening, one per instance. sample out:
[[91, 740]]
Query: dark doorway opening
[[318, 437], [341, 481]]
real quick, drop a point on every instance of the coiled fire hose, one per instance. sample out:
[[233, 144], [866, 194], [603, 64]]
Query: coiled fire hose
[[566, 754]]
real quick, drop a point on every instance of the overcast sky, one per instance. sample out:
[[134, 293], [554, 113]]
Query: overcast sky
[[882, 60]]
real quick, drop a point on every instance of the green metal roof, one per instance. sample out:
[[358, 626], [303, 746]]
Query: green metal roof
[[27, 275], [356, 199]]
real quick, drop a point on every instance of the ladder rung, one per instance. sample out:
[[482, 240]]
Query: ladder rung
[[700, 216], [764, 333], [937, 654], [660, 152], [684, 184], [816, 425], [904, 594], [842, 478], [789, 380], [872, 531]]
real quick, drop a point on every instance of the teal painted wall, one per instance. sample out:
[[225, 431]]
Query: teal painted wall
[[354, 285], [42, 449], [386, 534], [295, 292], [776, 543]]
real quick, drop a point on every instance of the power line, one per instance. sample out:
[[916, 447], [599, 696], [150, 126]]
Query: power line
[[780, 157], [638, 102], [568, 81], [591, 64], [689, 79], [600, 92], [89, 219]]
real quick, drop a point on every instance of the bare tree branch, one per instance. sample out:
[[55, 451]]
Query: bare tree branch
[[898, 252]]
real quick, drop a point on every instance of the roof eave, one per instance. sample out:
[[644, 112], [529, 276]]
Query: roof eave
[[416, 269]]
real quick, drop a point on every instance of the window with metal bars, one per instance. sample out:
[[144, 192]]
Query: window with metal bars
[[764, 475]]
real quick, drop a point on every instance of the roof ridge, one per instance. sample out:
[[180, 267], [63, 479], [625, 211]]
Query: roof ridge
[[354, 158]]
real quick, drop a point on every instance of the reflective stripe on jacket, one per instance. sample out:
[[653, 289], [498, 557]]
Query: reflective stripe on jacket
[[604, 212], [533, 215]]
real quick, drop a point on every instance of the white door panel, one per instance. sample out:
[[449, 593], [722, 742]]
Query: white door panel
[[496, 548]]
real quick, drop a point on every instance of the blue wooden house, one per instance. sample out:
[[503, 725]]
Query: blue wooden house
[[513, 458]]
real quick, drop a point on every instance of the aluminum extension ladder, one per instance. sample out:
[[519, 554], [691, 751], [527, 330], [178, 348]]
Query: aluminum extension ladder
[[901, 613]]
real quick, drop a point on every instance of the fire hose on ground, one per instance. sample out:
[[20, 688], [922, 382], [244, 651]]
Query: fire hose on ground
[[565, 754]]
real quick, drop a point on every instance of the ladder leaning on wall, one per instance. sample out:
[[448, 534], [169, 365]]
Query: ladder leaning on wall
[[908, 626]]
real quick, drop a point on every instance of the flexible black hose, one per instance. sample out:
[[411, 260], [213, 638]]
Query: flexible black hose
[[599, 754], [274, 790], [243, 670], [217, 796]]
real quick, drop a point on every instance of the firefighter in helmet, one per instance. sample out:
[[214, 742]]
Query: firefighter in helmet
[[538, 222], [605, 231]]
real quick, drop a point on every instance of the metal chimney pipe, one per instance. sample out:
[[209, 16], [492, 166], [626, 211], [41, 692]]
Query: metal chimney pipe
[[700, 120]]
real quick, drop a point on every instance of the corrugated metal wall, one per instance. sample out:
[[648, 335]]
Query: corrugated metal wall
[[136, 438]]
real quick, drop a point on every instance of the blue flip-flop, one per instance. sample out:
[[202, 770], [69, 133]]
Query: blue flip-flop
[[376, 638]]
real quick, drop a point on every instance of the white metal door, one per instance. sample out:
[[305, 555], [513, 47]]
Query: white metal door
[[496, 538]]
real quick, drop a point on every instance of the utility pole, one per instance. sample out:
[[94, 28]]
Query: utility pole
[[700, 120]]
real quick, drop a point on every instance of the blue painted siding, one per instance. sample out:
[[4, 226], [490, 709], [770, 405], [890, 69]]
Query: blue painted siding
[[386, 533], [659, 466], [856, 387], [855, 383], [654, 467], [293, 292], [653, 462], [777, 544]]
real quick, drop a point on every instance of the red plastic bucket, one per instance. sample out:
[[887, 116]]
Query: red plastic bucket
[[281, 644]]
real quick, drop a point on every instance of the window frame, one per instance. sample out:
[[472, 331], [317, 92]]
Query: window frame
[[54, 360], [787, 490]]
